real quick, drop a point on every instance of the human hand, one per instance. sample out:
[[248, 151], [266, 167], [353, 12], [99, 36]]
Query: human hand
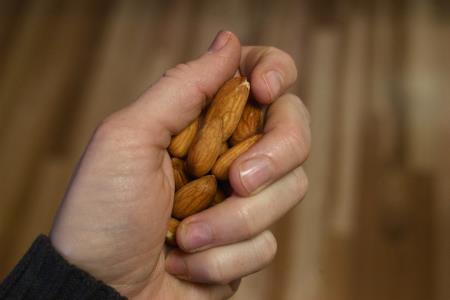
[[113, 220]]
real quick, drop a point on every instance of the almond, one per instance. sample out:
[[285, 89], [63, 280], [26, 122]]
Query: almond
[[228, 104], [223, 148], [172, 226], [205, 149], [223, 163], [218, 197], [179, 173], [249, 124], [194, 197], [180, 143]]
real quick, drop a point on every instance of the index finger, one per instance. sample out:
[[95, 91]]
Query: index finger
[[271, 71]]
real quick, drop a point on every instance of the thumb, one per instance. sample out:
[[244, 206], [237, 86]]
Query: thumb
[[178, 97]]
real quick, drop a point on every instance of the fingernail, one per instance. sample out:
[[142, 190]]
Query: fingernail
[[255, 172], [175, 265], [195, 235], [220, 41], [274, 81]]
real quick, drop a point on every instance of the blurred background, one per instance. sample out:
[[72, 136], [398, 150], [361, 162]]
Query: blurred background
[[374, 74]]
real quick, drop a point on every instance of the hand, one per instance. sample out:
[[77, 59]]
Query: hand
[[112, 222]]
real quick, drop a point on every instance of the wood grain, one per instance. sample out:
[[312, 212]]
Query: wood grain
[[374, 74]]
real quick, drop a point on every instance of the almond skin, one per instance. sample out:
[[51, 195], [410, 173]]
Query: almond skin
[[179, 173], [180, 143], [228, 105], [205, 149], [249, 124], [223, 148], [218, 197], [223, 163], [172, 226], [194, 197]]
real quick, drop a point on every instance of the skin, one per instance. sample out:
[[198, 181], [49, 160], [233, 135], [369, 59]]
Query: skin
[[112, 221]]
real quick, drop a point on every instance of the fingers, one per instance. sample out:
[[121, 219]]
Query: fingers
[[238, 218], [178, 97], [221, 265], [284, 146], [271, 71], [184, 290]]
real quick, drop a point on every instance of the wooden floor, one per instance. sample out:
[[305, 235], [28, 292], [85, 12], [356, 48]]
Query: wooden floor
[[375, 75]]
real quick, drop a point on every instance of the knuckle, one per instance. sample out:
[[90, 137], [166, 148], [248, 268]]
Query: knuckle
[[298, 143], [115, 132], [107, 128], [180, 71], [286, 58], [247, 221], [224, 61], [271, 50], [290, 63], [300, 107], [299, 139], [302, 182], [185, 76], [216, 272], [268, 249]]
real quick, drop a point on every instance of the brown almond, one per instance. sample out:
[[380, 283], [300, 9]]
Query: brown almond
[[228, 104], [172, 226], [194, 197], [179, 173], [205, 149], [223, 148], [180, 143], [218, 197], [223, 163], [249, 124]]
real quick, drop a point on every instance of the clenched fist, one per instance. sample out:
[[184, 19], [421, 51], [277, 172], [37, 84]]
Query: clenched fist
[[113, 220]]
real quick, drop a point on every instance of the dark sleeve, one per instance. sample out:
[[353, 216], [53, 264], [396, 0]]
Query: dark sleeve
[[44, 274]]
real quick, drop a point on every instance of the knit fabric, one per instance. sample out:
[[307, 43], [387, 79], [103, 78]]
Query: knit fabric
[[44, 274]]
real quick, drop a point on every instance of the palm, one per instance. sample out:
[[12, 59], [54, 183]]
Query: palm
[[133, 198]]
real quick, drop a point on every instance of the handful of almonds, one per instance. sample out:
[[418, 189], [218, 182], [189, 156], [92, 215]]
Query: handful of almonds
[[203, 152]]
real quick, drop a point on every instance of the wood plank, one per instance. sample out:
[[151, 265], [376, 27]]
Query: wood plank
[[10, 15], [20, 57], [107, 87], [170, 45], [395, 244], [442, 229], [216, 16], [442, 200], [347, 152], [421, 86], [37, 104], [349, 130], [394, 251], [384, 107], [43, 200], [303, 272]]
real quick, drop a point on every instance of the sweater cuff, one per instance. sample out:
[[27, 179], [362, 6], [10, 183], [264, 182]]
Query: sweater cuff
[[44, 274]]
